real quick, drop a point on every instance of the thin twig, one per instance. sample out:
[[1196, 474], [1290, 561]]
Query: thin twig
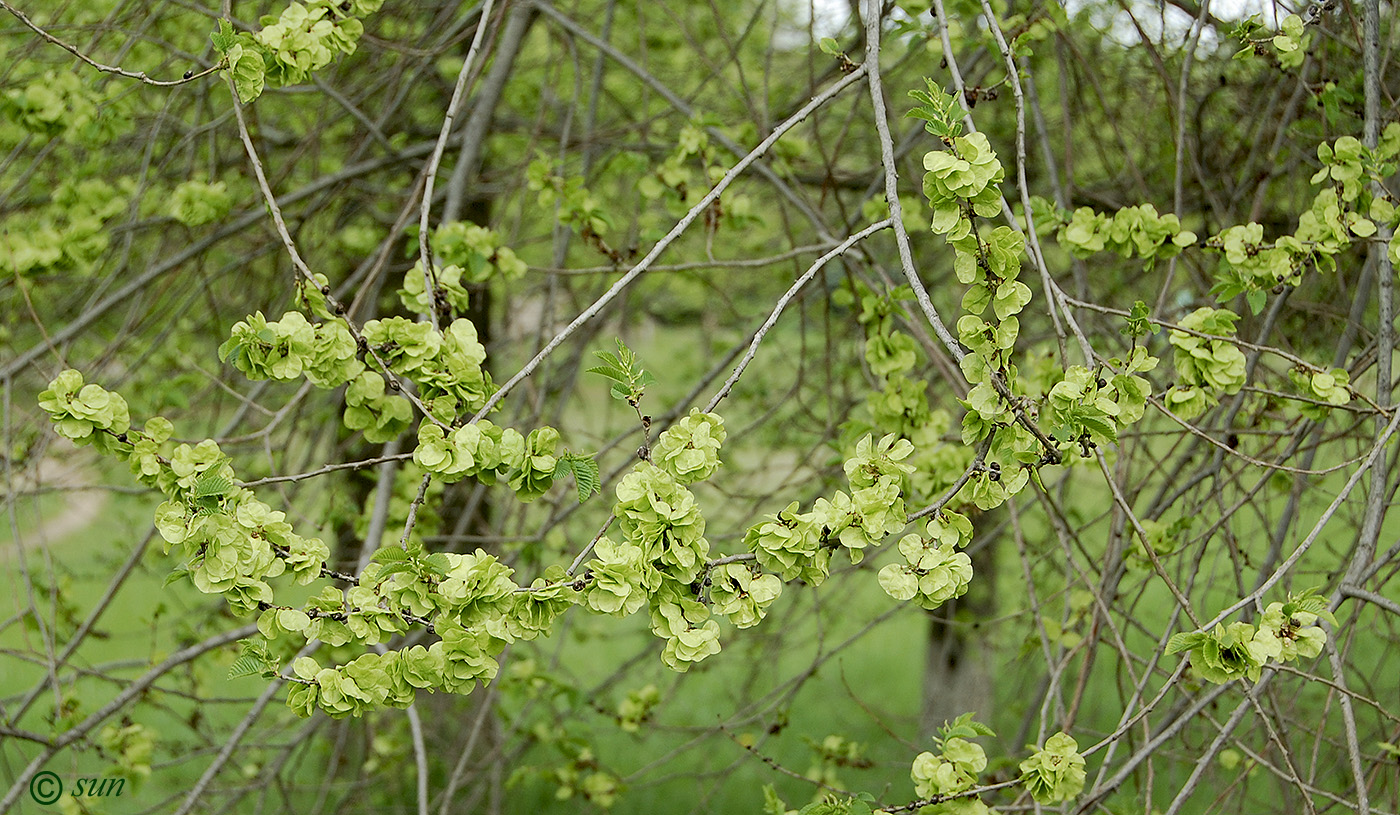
[[783, 303], [106, 69], [676, 231], [425, 209]]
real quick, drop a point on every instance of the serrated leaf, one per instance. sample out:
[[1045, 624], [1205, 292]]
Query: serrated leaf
[[176, 576], [965, 726], [389, 554], [610, 373], [246, 666], [563, 467], [437, 564], [209, 485], [620, 391], [224, 38], [609, 358], [586, 477], [396, 567], [1183, 642], [255, 647]]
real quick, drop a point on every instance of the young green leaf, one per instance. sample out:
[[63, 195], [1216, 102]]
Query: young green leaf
[[246, 666]]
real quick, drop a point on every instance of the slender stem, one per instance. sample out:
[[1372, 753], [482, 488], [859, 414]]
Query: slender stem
[[782, 304], [670, 237], [425, 209], [106, 69]]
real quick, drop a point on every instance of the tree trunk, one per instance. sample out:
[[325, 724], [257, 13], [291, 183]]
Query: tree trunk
[[957, 664]]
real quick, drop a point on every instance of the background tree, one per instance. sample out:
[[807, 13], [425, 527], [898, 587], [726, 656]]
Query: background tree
[[1064, 404]]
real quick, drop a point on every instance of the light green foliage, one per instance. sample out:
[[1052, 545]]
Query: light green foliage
[[534, 474], [830, 755], [1082, 409], [1342, 211], [690, 634], [129, 747], [1291, 41], [863, 518], [293, 44], [941, 112], [1222, 654], [659, 515], [689, 449], [889, 352], [476, 587], [619, 578], [902, 407], [629, 379], [70, 233], [270, 350], [878, 209], [581, 777], [1289, 45], [1286, 631], [1054, 773], [966, 176], [59, 105], [878, 462], [196, 203], [405, 345], [1254, 265], [673, 177], [478, 250], [450, 284], [791, 545], [454, 376], [1343, 165], [577, 206], [1088, 407], [446, 365], [1139, 322], [636, 709], [587, 478], [1205, 367], [1162, 538], [466, 254], [333, 360], [898, 453], [304, 39], [84, 413], [382, 416], [874, 508], [1332, 387], [953, 770], [696, 163], [934, 571], [742, 593], [1130, 232], [232, 542], [311, 298], [456, 662]]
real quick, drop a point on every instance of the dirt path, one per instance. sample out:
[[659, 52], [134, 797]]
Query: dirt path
[[81, 507]]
